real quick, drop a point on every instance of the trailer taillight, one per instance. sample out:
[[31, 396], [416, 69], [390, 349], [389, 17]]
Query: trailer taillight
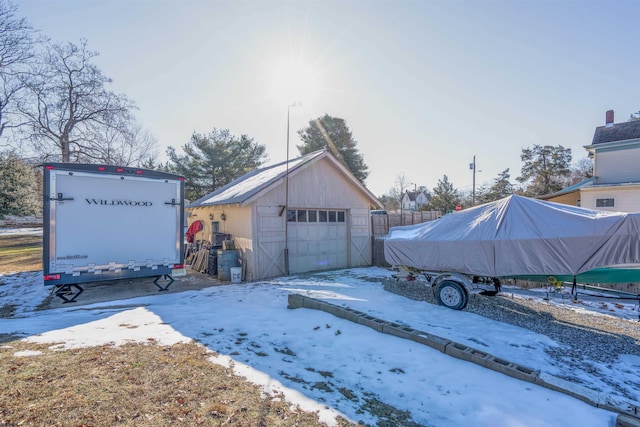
[[181, 179], [102, 168], [139, 172], [49, 167], [178, 265], [120, 170], [52, 277]]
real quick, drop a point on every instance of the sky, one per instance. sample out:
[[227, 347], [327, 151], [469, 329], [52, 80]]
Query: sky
[[424, 86], [249, 326]]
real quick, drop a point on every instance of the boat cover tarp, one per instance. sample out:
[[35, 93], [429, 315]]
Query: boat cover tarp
[[518, 236]]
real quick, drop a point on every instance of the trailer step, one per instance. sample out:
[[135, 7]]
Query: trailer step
[[166, 287], [66, 294]]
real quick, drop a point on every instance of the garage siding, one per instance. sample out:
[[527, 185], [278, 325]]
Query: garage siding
[[318, 245]]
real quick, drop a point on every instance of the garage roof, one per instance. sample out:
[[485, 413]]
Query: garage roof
[[245, 188]]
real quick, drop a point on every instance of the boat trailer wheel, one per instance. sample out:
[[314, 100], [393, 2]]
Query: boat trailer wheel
[[451, 294]]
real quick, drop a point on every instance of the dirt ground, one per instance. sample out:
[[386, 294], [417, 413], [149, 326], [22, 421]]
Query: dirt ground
[[123, 289]]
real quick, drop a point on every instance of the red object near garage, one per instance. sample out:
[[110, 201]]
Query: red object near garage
[[193, 229]]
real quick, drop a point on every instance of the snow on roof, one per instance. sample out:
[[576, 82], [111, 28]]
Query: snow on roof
[[251, 183]]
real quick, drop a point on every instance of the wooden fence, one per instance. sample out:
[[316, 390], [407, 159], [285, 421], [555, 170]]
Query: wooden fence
[[381, 223], [380, 227]]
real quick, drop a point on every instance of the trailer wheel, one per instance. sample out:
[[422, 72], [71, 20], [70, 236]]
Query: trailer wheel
[[452, 294]]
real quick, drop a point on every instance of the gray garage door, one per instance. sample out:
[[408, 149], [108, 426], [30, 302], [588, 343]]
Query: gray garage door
[[317, 240]]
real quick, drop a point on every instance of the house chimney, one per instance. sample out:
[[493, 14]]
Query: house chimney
[[609, 120]]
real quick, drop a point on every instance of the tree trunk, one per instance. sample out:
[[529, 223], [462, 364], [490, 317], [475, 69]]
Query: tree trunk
[[64, 148]]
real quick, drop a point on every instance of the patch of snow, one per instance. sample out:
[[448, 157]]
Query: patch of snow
[[27, 353], [138, 325], [11, 231], [321, 361]]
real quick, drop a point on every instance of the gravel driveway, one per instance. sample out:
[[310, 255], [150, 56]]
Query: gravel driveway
[[588, 340]]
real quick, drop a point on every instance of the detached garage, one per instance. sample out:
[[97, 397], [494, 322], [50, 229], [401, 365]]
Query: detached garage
[[322, 223]]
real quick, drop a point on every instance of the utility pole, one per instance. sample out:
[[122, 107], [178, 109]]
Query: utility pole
[[286, 197], [472, 166]]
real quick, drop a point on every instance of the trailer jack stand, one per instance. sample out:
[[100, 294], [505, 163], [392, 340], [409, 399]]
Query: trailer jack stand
[[66, 294], [161, 288]]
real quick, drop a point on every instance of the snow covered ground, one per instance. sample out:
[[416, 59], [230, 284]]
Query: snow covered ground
[[321, 362], [10, 231]]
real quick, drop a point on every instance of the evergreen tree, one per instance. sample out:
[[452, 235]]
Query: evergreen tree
[[444, 196], [545, 169], [333, 133], [501, 188], [214, 160], [19, 187], [389, 202]]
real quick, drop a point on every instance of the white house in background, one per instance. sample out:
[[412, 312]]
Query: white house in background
[[615, 185], [414, 200], [321, 217]]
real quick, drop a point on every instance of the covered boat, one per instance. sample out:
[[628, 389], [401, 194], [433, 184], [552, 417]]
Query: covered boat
[[522, 237]]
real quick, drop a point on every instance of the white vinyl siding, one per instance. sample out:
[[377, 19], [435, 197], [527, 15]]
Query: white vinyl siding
[[616, 166], [626, 198]]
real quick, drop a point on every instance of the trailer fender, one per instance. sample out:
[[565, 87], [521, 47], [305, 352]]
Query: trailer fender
[[456, 277]]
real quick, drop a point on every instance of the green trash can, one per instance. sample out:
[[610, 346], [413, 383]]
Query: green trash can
[[226, 260]]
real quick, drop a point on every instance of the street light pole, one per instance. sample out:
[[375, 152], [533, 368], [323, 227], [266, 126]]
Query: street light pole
[[286, 197]]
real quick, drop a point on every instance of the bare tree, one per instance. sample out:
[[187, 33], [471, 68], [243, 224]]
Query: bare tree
[[128, 145], [69, 110], [392, 201], [16, 51], [582, 170]]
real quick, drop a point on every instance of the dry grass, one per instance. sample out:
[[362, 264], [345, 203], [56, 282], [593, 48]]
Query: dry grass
[[20, 253], [136, 384]]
